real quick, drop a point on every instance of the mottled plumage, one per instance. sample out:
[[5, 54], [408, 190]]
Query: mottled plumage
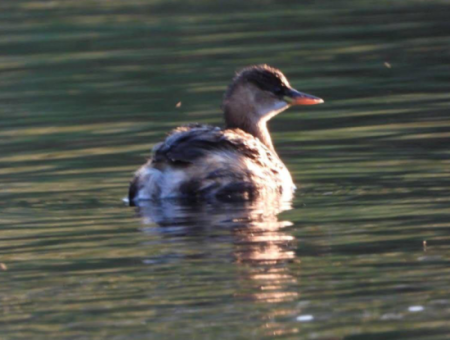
[[239, 162], [205, 162]]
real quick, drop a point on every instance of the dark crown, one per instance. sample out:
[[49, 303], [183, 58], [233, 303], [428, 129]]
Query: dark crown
[[263, 76]]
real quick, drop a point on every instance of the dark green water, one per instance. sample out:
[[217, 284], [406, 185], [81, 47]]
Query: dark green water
[[87, 87]]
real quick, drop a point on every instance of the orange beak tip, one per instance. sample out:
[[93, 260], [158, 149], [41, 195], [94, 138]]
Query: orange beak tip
[[307, 101], [295, 97]]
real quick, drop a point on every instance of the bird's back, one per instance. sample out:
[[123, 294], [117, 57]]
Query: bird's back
[[208, 163]]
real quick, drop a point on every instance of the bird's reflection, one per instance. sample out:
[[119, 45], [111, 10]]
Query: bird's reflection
[[262, 246]]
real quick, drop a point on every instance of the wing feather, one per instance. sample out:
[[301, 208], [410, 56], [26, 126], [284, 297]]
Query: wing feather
[[189, 143]]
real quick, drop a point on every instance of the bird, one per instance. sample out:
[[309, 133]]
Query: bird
[[199, 162]]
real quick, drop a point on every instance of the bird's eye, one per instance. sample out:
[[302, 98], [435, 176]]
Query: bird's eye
[[278, 91]]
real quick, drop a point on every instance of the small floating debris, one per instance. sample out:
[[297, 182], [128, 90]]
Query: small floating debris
[[387, 64], [178, 105], [415, 309], [305, 318], [3, 266], [424, 245]]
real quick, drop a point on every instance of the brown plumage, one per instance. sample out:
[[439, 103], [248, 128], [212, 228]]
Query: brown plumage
[[239, 162]]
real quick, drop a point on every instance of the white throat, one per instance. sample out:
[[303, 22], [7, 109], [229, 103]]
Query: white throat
[[266, 113]]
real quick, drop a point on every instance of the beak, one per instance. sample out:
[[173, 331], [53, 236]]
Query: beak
[[294, 97]]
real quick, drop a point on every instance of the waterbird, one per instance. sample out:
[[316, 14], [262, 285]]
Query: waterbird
[[237, 162]]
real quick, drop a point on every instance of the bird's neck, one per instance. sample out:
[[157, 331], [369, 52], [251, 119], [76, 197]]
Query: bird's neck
[[243, 110], [254, 126], [259, 130]]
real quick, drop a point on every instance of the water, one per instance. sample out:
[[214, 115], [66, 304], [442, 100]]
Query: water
[[87, 88]]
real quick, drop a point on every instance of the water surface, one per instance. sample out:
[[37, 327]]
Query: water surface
[[88, 87]]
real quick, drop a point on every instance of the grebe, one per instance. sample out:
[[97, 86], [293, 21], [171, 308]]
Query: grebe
[[203, 162]]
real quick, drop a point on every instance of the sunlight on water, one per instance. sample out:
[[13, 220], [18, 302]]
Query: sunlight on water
[[88, 88]]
